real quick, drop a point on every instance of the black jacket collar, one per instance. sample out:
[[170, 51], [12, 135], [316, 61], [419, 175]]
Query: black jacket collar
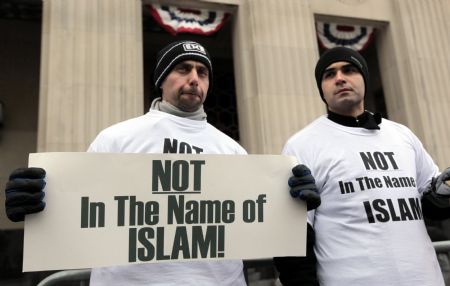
[[366, 120]]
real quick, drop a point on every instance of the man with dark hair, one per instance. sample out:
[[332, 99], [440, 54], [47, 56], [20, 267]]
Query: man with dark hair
[[376, 182], [176, 123]]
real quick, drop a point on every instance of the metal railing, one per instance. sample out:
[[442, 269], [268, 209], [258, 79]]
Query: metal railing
[[80, 275], [83, 275], [442, 246]]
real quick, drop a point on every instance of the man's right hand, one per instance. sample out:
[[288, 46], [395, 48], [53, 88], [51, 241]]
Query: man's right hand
[[24, 193]]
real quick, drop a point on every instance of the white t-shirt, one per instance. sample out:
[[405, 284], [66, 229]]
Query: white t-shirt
[[160, 132], [369, 228]]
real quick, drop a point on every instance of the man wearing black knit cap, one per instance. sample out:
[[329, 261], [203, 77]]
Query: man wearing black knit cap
[[183, 76], [176, 123], [177, 52], [347, 98], [376, 182]]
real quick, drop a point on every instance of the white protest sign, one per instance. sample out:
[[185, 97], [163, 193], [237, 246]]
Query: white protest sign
[[114, 209]]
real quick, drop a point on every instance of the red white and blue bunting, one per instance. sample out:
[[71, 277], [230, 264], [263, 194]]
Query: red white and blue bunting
[[194, 21], [352, 36]]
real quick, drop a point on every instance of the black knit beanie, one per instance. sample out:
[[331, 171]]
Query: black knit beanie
[[176, 52], [341, 54]]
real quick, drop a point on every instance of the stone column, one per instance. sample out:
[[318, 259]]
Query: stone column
[[415, 68], [91, 70], [273, 45]]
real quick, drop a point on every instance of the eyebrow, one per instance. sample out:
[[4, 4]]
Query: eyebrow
[[332, 69]]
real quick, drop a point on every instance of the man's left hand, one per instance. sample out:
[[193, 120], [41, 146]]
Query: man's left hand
[[441, 183], [303, 186]]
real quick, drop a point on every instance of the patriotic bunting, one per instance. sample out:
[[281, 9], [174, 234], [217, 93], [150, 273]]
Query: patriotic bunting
[[356, 37], [178, 20]]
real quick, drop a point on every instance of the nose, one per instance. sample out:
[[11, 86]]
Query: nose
[[340, 78], [193, 77]]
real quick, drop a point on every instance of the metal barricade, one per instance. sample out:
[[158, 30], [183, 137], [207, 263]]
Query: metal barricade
[[442, 246], [443, 255], [82, 276]]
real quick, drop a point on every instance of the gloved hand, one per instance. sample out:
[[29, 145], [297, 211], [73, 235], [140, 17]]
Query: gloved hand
[[435, 200], [441, 184], [303, 186], [24, 193]]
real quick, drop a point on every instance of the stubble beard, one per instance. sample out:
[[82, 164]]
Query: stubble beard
[[190, 100]]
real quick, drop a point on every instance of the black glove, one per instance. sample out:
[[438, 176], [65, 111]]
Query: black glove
[[435, 201], [441, 184], [303, 186], [24, 193]]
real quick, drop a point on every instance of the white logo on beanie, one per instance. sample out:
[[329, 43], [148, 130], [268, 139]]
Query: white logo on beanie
[[194, 47]]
